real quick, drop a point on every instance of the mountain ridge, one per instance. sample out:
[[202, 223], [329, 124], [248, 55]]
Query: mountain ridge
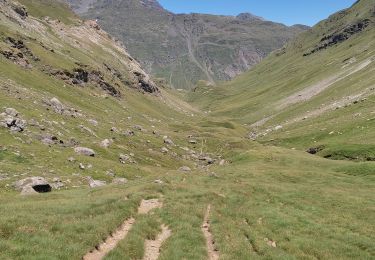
[[185, 48]]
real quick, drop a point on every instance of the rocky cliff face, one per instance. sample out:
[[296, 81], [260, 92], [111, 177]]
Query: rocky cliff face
[[185, 48]]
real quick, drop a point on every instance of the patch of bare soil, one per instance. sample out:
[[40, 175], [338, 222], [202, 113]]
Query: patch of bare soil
[[212, 251], [152, 247], [111, 242], [148, 205]]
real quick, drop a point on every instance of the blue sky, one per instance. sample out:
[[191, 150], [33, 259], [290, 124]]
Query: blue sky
[[289, 12]]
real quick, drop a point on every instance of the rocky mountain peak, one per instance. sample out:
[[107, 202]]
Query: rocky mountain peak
[[151, 4], [248, 17]]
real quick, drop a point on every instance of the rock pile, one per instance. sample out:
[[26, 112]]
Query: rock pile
[[10, 119]]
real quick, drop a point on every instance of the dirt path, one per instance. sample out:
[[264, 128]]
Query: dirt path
[[212, 251], [152, 247], [148, 205], [111, 242]]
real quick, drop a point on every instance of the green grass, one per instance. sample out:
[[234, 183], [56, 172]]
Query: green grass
[[52, 9], [267, 190]]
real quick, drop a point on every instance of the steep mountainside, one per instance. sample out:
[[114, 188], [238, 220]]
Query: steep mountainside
[[318, 91], [185, 48]]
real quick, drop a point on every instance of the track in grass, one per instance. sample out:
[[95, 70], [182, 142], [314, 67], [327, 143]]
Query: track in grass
[[111, 242], [213, 253], [148, 205], [152, 247]]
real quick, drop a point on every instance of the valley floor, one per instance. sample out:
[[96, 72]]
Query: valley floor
[[267, 203]]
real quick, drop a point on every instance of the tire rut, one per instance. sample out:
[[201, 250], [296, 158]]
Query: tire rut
[[111, 241], [152, 247], [213, 253]]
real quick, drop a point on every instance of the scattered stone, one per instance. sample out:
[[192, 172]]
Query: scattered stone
[[193, 141], [158, 181], [207, 159], [85, 151], [57, 105], [93, 122], [119, 181], [11, 112], [110, 173], [184, 169], [168, 141], [128, 133], [57, 184], [32, 185], [10, 119], [71, 159], [124, 158], [114, 129], [270, 242], [315, 150], [138, 127], [95, 183], [164, 150], [222, 162], [106, 143], [81, 166], [278, 127]]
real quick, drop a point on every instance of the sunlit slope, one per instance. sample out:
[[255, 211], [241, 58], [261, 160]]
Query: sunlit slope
[[319, 88]]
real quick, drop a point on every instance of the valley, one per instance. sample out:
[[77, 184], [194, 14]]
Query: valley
[[100, 160]]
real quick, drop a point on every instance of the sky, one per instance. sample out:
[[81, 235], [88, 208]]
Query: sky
[[289, 12]]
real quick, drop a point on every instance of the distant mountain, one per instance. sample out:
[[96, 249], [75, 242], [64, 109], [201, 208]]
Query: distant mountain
[[185, 48]]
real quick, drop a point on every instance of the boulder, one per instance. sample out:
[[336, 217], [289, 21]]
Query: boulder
[[85, 151], [11, 112], [10, 119], [95, 183], [106, 143], [32, 185], [168, 141], [57, 106], [20, 10]]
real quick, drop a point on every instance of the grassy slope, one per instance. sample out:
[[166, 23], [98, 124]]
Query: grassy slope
[[311, 207], [261, 92]]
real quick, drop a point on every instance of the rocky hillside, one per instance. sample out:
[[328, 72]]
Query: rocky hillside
[[68, 89], [185, 48]]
